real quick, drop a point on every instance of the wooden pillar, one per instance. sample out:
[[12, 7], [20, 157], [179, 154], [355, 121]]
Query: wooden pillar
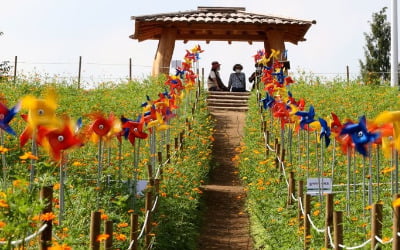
[[274, 41], [164, 52]]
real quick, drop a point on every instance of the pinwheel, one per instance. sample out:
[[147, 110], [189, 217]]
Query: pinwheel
[[259, 55], [394, 118], [306, 117], [180, 72], [288, 80], [133, 129], [197, 49], [325, 131], [175, 84], [56, 140], [280, 77], [274, 54], [336, 125], [6, 115], [360, 135], [41, 111], [102, 127], [268, 101], [386, 132], [191, 57], [282, 112]]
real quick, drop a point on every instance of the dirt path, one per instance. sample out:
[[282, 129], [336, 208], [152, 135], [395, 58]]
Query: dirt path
[[225, 224]]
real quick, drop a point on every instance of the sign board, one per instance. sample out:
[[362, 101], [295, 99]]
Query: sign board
[[317, 186]]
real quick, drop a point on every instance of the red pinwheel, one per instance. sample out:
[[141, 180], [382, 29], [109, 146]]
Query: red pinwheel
[[102, 126], [134, 129], [174, 83], [59, 139], [259, 55], [281, 111], [336, 125]]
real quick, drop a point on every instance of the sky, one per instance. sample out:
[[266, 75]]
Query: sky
[[49, 36]]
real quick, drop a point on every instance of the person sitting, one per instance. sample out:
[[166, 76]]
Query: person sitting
[[237, 80], [214, 81]]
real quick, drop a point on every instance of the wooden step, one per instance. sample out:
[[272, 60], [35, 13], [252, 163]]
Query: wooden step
[[227, 108]]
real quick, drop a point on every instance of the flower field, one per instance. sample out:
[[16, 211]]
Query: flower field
[[166, 155], [358, 181]]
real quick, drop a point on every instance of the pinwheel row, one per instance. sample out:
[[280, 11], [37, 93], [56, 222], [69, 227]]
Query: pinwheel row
[[384, 130], [57, 134]]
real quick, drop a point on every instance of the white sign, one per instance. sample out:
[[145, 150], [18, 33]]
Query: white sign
[[316, 186]]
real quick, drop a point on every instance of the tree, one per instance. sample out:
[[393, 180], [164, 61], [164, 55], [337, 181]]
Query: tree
[[377, 49]]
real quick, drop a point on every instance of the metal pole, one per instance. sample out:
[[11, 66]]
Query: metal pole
[[79, 72], [394, 47], [15, 69], [130, 69]]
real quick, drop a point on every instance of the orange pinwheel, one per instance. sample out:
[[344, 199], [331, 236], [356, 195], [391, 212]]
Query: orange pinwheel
[[102, 127]]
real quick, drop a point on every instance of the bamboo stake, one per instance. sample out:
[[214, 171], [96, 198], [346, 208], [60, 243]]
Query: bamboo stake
[[307, 225], [376, 224], [300, 201], [396, 225], [328, 218], [46, 195], [338, 229], [134, 230], [95, 230], [108, 229]]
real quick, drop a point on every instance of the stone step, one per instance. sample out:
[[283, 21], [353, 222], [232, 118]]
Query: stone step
[[229, 93], [227, 105], [227, 108], [236, 101], [232, 97]]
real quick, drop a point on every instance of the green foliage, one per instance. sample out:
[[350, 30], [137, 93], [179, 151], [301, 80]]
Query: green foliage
[[274, 223], [177, 215], [377, 50]]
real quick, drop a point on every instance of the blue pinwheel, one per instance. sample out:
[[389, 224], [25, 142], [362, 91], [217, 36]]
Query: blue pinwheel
[[325, 131], [6, 115], [306, 117], [360, 135], [180, 72], [280, 77], [268, 101]]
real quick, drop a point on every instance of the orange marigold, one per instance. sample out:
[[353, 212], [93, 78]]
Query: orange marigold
[[102, 237], [122, 224], [47, 216]]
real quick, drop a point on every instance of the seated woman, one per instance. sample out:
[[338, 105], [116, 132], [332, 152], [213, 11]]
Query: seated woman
[[237, 80], [214, 81]]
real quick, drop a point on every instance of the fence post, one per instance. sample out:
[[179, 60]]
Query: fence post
[[134, 230], [95, 230], [130, 69], [282, 155], [307, 228], [108, 229], [181, 134], [396, 225], [266, 143], [46, 195], [15, 69], [147, 228], [278, 152], [176, 144], [291, 188], [348, 73], [300, 201], [328, 218], [338, 229], [79, 72], [168, 147], [150, 171], [376, 224]]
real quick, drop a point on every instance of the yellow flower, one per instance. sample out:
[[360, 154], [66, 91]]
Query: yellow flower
[[3, 150], [3, 203], [396, 203], [28, 155]]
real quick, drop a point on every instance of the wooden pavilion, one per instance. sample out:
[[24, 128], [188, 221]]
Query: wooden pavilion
[[215, 24]]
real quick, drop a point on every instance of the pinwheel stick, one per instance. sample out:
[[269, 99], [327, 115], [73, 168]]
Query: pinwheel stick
[[378, 180], [153, 150], [100, 162], [61, 190], [136, 155], [119, 161], [290, 142], [308, 153], [363, 183], [396, 171], [370, 188], [333, 160], [33, 161], [348, 180], [3, 159]]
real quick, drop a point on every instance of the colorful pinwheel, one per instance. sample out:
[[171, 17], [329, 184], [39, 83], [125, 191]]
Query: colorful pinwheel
[[133, 129], [360, 135], [6, 115], [325, 131], [102, 127], [306, 117], [56, 140]]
